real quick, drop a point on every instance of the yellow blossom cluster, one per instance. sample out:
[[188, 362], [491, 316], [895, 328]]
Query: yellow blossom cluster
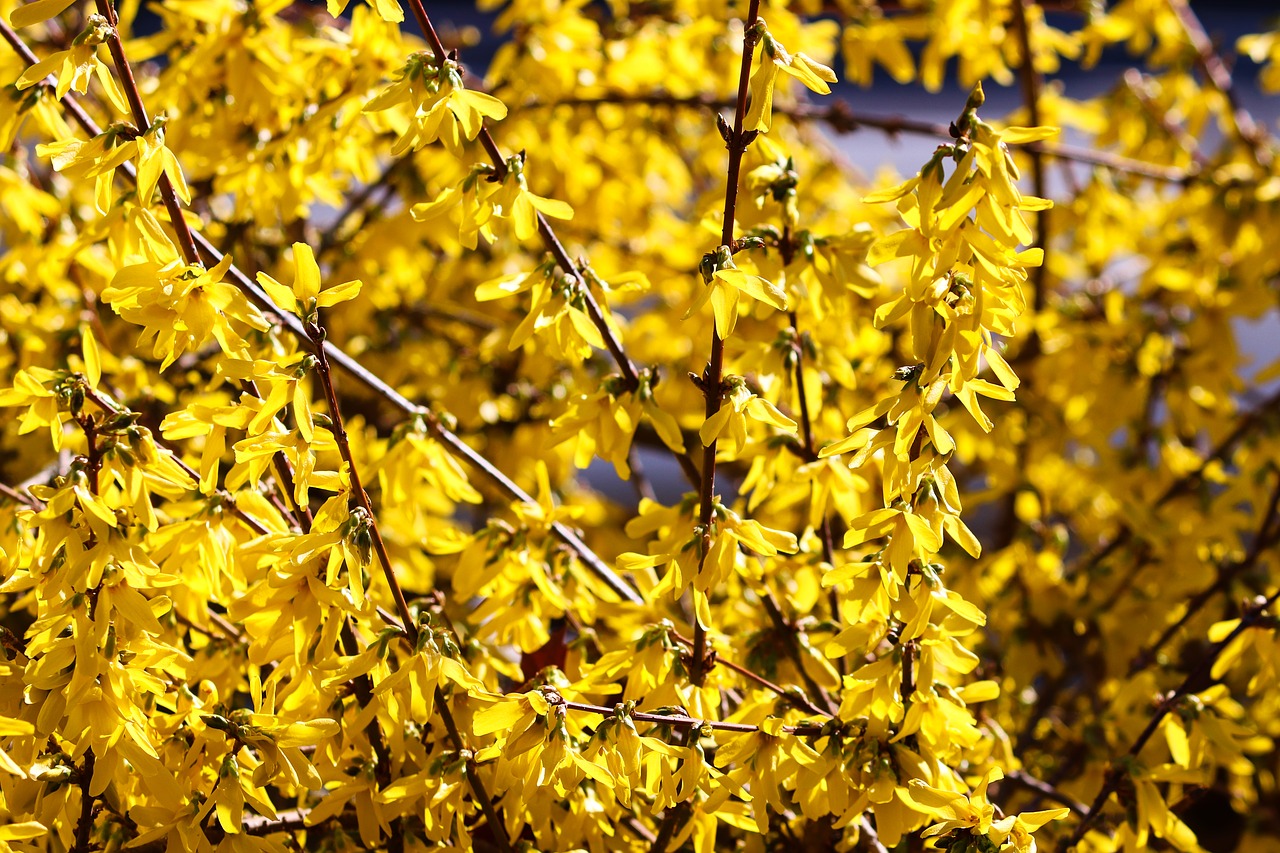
[[577, 454]]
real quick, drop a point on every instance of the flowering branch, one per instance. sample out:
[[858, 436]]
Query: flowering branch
[[1254, 613], [1253, 419], [107, 9], [841, 118], [1265, 537], [1215, 71], [356, 369], [630, 375], [712, 381]]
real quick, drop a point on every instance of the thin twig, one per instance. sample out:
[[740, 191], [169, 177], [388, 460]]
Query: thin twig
[[1031, 86], [357, 370], [629, 373], [842, 119], [787, 631], [737, 141], [1215, 70], [19, 498], [1263, 539], [787, 248], [358, 494], [107, 9], [1046, 790], [873, 837], [1247, 423], [1115, 774], [798, 700], [685, 722], [358, 202], [1140, 85], [84, 824], [316, 335]]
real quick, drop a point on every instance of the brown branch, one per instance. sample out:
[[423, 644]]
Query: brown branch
[[316, 335], [787, 631], [842, 119], [84, 824], [359, 203], [124, 71], [1140, 85], [1215, 71], [1031, 87], [798, 701], [629, 373], [1263, 539], [89, 425], [1253, 614], [358, 494], [787, 248], [1250, 421], [873, 837], [737, 141], [356, 369], [684, 722], [1047, 791], [19, 498]]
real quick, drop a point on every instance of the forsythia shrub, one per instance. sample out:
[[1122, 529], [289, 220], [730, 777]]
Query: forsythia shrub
[[400, 459]]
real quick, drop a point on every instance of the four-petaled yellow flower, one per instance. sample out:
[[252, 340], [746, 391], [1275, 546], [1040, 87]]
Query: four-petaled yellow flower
[[443, 108], [738, 405], [774, 57], [725, 286], [973, 816], [74, 66], [306, 297]]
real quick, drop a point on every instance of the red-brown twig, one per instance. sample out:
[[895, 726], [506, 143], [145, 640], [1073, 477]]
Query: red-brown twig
[[1253, 614], [713, 375], [107, 9], [629, 373], [798, 700], [841, 118], [1215, 70]]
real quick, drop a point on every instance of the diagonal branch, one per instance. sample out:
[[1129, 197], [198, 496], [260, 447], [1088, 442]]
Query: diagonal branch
[[1253, 419], [1264, 538], [629, 373], [356, 369], [1254, 613], [1215, 71], [107, 9]]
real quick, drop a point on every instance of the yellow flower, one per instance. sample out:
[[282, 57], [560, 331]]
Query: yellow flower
[[75, 66], [443, 108], [878, 40], [515, 203], [181, 306], [774, 57], [38, 389], [388, 10], [96, 158], [472, 199], [725, 285], [738, 405], [973, 816], [155, 159], [306, 297]]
